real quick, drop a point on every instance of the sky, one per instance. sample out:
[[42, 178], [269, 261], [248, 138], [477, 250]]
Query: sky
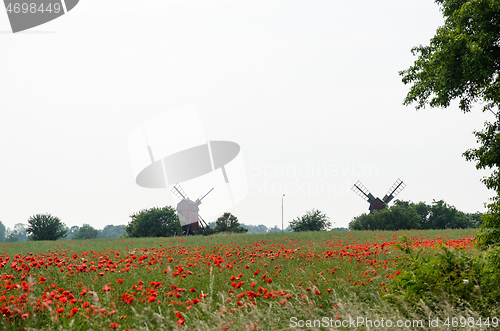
[[309, 90]]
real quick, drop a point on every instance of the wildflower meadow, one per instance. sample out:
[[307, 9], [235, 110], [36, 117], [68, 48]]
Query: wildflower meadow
[[275, 281]]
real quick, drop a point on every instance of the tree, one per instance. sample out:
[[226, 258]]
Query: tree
[[274, 229], [444, 216], [463, 62], [228, 223], [261, 228], [11, 236], [86, 232], [71, 232], [397, 217], [476, 219], [112, 231], [2, 231], [18, 233], [405, 215], [313, 220], [488, 157], [20, 230], [154, 222], [45, 227]]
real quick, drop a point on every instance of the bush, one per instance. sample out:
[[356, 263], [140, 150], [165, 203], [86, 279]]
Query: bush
[[313, 220], [394, 218], [86, 232], [463, 278], [11, 237], [2, 232], [45, 227], [112, 231], [405, 215], [154, 222], [228, 223], [489, 234]]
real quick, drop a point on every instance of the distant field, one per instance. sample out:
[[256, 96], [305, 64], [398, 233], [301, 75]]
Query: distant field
[[236, 282]]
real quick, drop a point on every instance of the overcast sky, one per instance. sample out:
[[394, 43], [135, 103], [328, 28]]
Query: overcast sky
[[309, 90]]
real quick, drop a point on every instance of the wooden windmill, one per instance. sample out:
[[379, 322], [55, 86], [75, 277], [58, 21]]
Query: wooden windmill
[[376, 203], [188, 209]]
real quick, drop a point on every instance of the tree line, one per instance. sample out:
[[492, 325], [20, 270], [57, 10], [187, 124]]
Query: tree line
[[48, 227], [404, 215], [165, 222], [153, 222]]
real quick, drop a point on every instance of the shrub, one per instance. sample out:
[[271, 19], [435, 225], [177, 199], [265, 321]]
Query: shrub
[[45, 227], [313, 220], [2, 231], [86, 232], [463, 278], [489, 234], [394, 218], [228, 223], [112, 231], [154, 222]]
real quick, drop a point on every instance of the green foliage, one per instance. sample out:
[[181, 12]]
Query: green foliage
[[2, 231], [45, 227], [274, 229], [462, 60], [20, 231], [313, 220], [228, 223], [397, 217], [261, 228], [489, 234], [461, 277], [488, 157], [408, 215], [11, 236], [112, 231], [71, 232], [154, 222], [86, 232], [443, 216]]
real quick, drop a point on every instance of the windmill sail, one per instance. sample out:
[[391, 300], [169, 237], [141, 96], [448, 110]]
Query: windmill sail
[[363, 192], [397, 187], [179, 192], [198, 201]]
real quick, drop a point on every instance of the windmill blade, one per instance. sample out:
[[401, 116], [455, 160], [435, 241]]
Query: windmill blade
[[179, 192], [198, 201], [394, 190], [363, 192]]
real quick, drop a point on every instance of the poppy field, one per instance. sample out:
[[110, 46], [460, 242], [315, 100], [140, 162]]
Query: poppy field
[[225, 282]]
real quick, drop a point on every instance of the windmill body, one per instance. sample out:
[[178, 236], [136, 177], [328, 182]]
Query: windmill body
[[377, 203], [188, 210]]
